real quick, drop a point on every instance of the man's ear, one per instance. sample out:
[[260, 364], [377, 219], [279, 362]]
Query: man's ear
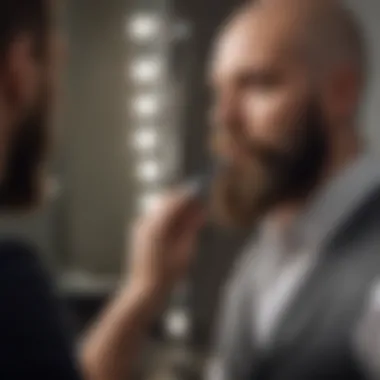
[[344, 90], [20, 73]]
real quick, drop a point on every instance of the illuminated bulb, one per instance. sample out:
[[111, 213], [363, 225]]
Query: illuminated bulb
[[144, 27], [146, 105], [145, 71], [149, 171], [177, 324], [146, 139]]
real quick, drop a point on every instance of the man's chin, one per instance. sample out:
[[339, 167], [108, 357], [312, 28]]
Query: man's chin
[[237, 212], [235, 219]]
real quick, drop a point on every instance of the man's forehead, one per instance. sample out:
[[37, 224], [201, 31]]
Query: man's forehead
[[255, 39]]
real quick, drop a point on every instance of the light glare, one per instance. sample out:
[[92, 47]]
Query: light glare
[[146, 105], [146, 71], [146, 139], [149, 171], [177, 324], [144, 27]]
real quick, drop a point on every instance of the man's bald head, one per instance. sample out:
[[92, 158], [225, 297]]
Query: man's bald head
[[324, 31], [335, 36]]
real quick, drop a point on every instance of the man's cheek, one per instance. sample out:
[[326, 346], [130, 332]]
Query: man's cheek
[[262, 116]]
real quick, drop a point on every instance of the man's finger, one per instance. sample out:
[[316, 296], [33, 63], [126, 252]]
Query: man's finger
[[173, 208]]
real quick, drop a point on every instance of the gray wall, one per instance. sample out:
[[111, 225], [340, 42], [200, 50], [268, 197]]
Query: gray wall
[[369, 11], [95, 150]]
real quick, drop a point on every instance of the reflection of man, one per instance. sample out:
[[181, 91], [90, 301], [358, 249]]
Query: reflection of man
[[288, 76], [33, 340]]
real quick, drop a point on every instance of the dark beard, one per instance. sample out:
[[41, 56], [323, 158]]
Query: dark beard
[[22, 187], [243, 194]]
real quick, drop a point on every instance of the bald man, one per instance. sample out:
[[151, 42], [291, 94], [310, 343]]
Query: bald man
[[288, 78]]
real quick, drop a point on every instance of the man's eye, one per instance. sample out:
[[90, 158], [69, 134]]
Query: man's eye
[[262, 81]]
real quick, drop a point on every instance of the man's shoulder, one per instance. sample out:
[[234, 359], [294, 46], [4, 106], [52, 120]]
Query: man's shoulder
[[20, 265], [13, 250], [244, 269], [15, 245], [364, 219]]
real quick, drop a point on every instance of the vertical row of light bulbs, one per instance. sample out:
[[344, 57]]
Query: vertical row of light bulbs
[[145, 73]]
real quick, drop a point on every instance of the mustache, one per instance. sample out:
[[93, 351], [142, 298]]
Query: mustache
[[222, 142]]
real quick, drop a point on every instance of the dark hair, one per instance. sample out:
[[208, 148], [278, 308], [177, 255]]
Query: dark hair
[[18, 16], [19, 188]]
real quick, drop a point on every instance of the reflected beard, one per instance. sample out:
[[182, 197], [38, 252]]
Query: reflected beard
[[22, 186], [242, 194]]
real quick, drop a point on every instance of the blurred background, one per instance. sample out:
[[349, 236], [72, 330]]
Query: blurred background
[[134, 120]]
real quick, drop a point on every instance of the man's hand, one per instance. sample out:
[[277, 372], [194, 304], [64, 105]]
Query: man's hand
[[162, 248], [163, 243]]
